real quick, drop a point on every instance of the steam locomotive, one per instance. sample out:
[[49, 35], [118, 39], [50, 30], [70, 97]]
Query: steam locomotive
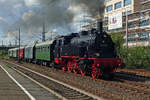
[[87, 52]]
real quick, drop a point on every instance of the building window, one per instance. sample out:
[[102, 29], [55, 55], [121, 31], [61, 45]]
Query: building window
[[123, 13], [132, 35], [105, 18], [109, 8], [127, 2], [144, 22], [144, 36], [118, 5], [132, 25], [128, 12], [132, 40]]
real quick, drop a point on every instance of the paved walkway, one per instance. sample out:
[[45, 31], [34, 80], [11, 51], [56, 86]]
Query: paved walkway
[[9, 90]]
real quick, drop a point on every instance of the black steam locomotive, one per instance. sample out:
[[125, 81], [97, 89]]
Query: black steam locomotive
[[88, 52]]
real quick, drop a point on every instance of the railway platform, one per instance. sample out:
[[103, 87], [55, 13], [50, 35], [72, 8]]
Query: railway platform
[[14, 86]]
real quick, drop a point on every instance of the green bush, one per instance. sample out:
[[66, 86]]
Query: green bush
[[136, 57], [139, 57], [118, 40], [3, 53]]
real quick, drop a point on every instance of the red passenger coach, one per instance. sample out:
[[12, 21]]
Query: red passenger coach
[[21, 53]]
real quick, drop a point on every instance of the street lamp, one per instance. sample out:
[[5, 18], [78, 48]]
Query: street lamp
[[19, 46], [126, 31], [126, 36]]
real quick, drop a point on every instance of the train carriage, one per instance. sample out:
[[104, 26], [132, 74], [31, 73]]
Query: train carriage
[[14, 52], [10, 52], [29, 53], [43, 53], [20, 53]]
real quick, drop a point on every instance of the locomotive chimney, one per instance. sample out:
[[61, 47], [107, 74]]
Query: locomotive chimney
[[100, 25]]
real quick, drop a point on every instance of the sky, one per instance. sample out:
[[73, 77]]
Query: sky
[[60, 17]]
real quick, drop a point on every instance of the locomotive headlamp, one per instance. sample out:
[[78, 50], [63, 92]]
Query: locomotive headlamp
[[97, 65], [97, 54], [119, 65]]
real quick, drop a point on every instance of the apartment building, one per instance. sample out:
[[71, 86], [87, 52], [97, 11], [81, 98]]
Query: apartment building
[[138, 12], [117, 6]]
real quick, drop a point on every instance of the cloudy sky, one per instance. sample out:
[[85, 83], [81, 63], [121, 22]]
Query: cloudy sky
[[60, 17]]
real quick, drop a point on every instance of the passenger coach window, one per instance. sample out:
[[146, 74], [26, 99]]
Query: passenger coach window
[[43, 49], [48, 48]]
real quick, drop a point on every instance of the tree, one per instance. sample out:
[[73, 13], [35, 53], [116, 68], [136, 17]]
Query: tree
[[118, 40], [36, 41]]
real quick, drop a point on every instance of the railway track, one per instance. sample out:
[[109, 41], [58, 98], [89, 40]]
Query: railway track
[[123, 87], [132, 77], [135, 72], [63, 91], [142, 83]]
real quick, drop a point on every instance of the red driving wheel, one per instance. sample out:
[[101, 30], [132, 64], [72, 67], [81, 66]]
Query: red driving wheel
[[69, 66], [82, 72], [75, 71], [63, 68], [96, 72]]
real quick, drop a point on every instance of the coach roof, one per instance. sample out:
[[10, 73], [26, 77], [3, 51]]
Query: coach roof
[[45, 43], [28, 46]]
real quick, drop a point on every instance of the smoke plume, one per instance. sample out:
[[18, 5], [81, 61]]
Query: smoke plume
[[61, 15]]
